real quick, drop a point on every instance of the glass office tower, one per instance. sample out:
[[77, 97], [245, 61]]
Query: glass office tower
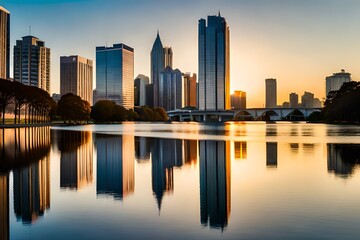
[[214, 64], [115, 74]]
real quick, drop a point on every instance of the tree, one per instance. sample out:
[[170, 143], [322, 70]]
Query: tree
[[119, 113], [72, 108], [102, 111]]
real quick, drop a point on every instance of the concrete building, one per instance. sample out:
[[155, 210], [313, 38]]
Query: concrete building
[[171, 89], [115, 74], [307, 100], [285, 105], [238, 100], [168, 57], [4, 43], [294, 100], [190, 91], [32, 63], [76, 76], [334, 82], [214, 64], [317, 103], [271, 93], [140, 83]]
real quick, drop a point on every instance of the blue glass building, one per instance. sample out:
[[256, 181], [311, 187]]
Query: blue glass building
[[115, 74]]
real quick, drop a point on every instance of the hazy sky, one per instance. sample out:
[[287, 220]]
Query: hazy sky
[[298, 42]]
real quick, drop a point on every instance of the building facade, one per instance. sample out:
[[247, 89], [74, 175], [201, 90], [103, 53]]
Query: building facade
[[4, 43], [115, 74], [32, 63], [294, 100], [271, 93], [214, 63], [171, 89], [190, 90], [307, 100], [157, 63], [140, 83], [334, 82], [238, 100], [168, 57], [76, 76]]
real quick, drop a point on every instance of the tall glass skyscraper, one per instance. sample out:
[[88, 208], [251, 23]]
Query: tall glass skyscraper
[[32, 63], [214, 64], [157, 66], [115, 74], [4, 43]]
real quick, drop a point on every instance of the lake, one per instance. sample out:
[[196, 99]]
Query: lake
[[249, 180]]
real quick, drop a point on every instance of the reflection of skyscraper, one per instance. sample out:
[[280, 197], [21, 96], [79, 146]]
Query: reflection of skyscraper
[[271, 154], [4, 206], [142, 148], [32, 191], [190, 151], [76, 163], [342, 158], [215, 200], [166, 154], [240, 150], [115, 165]]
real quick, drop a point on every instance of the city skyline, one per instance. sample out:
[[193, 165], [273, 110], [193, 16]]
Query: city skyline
[[263, 46]]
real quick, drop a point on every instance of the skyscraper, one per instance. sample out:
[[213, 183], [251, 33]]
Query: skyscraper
[[115, 74], [334, 82], [294, 100], [168, 57], [271, 93], [76, 76], [140, 83], [190, 90], [238, 100], [214, 64], [307, 100], [32, 63], [4, 43], [170, 89], [157, 66]]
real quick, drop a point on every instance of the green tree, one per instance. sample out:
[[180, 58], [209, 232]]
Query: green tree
[[72, 108], [102, 111]]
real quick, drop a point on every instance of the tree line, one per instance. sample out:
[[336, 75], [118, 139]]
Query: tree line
[[33, 103]]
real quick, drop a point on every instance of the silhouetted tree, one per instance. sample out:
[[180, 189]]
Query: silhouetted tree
[[102, 111], [72, 108]]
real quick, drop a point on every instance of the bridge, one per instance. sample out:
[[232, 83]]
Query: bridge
[[250, 114]]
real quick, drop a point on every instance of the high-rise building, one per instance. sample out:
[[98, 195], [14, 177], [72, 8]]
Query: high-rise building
[[307, 100], [76, 76], [157, 66], [140, 83], [168, 56], [317, 103], [4, 43], [32, 63], [271, 93], [170, 89], [334, 82], [294, 100], [115, 74], [150, 95], [238, 100], [214, 64], [190, 90]]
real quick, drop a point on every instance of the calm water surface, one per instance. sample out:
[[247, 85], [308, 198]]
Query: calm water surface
[[181, 181]]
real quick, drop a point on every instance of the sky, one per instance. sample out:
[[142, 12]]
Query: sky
[[298, 42]]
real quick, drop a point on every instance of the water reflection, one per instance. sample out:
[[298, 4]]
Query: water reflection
[[115, 165], [240, 150], [271, 154], [32, 190], [4, 206], [215, 199], [142, 149], [343, 158], [76, 161]]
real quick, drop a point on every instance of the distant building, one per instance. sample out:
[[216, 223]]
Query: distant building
[[32, 63], [168, 57], [170, 89], [157, 65], [140, 83], [76, 77], [317, 103], [4, 43], [334, 82], [307, 100], [115, 74], [94, 97], [294, 100], [271, 93], [56, 97], [149, 95], [190, 91], [238, 100], [285, 105], [214, 63]]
